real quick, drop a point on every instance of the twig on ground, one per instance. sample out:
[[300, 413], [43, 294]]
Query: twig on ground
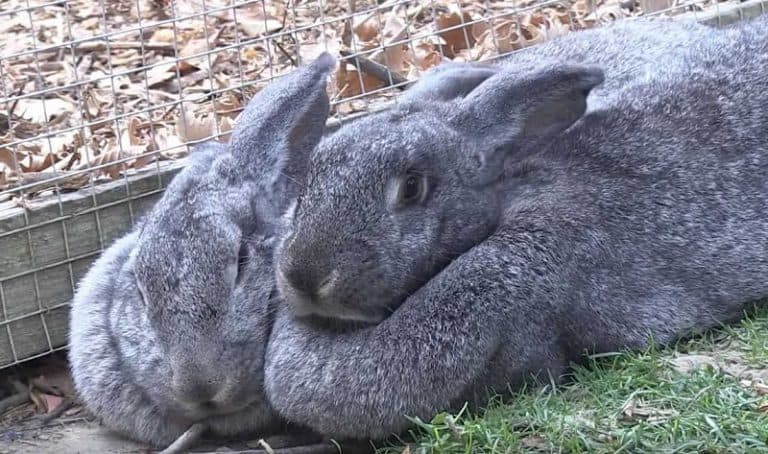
[[288, 440], [266, 446], [376, 70], [285, 52], [319, 448], [58, 423], [188, 439], [13, 401], [327, 447], [102, 46]]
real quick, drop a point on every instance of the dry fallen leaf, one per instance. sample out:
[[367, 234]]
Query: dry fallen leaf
[[327, 42], [7, 158], [160, 74], [395, 51], [35, 162], [634, 410], [225, 128], [170, 145], [195, 47], [86, 82], [163, 35], [425, 55], [612, 13], [43, 110], [255, 22], [686, 363], [190, 128], [501, 38], [367, 30], [6, 174], [534, 442], [450, 29], [350, 82], [759, 388]]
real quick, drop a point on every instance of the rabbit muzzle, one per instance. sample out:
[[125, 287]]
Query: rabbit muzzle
[[325, 300], [203, 391]]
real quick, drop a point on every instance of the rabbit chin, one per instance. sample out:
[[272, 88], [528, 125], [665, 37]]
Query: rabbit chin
[[205, 412]]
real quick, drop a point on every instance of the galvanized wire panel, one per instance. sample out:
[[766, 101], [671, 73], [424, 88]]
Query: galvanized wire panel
[[100, 100]]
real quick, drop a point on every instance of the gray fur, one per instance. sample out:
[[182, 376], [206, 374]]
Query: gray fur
[[170, 324], [627, 50], [405, 260], [645, 219]]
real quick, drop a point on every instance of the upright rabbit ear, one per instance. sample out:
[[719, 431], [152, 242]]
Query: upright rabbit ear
[[282, 124], [516, 111], [448, 81]]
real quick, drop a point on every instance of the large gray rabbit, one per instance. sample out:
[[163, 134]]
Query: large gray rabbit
[[494, 237], [170, 324]]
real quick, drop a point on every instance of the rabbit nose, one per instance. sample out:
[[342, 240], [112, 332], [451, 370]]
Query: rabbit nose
[[312, 281], [195, 392]]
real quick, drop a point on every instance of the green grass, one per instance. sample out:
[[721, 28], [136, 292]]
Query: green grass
[[631, 402]]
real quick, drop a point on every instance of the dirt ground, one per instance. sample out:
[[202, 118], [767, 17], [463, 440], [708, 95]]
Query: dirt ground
[[78, 435], [76, 432], [44, 420]]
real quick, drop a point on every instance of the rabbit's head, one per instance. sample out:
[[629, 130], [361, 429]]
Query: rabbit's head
[[392, 198], [203, 261]]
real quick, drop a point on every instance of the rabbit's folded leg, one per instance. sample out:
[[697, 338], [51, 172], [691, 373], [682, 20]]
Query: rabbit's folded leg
[[363, 383]]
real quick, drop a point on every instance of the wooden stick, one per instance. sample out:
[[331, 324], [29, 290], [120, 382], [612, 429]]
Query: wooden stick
[[319, 448], [375, 69], [326, 447], [188, 439], [101, 46]]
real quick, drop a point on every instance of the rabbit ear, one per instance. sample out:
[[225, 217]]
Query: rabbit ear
[[516, 111], [205, 153], [448, 81], [282, 124]]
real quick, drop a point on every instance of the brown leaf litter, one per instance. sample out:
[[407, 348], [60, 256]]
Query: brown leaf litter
[[94, 95]]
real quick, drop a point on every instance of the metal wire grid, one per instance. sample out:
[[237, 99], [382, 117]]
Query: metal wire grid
[[48, 241]]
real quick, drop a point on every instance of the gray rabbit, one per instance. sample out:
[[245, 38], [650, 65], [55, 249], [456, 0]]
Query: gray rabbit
[[487, 239], [169, 326]]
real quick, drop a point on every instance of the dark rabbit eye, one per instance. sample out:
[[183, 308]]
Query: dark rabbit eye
[[242, 258], [412, 189]]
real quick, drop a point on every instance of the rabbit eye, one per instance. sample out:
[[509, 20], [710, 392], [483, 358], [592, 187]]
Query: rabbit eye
[[412, 189], [242, 258]]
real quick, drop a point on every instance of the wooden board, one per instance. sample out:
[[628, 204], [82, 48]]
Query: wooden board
[[45, 250]]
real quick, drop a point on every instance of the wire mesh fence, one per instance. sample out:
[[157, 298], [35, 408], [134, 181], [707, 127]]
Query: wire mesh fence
[[101, 100]]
